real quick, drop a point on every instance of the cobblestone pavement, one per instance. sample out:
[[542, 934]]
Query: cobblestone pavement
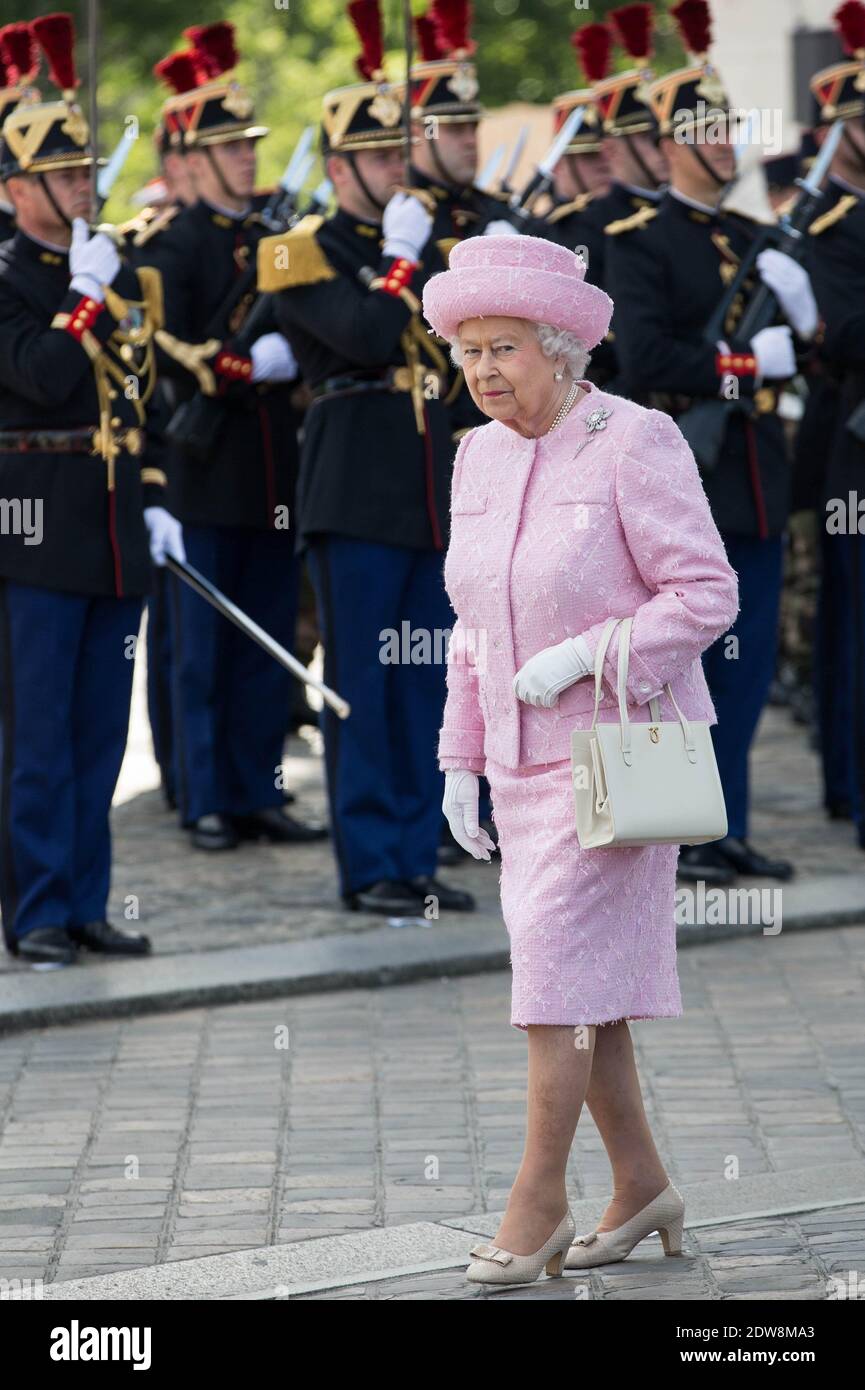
[[132, 1142], [256, 894]]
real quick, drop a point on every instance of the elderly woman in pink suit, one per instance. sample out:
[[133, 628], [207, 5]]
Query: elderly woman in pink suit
[[569, 507]]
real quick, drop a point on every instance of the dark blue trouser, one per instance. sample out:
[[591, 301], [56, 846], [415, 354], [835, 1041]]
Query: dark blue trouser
[[66, 666], [231, 700], [739, 682], [839, 669], [159, 680], [384, 785]]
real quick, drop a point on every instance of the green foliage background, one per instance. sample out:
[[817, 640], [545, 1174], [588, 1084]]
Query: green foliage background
[[295, 50]]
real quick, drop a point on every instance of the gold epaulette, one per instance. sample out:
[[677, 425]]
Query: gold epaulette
[[446, 244], [828, 219], [293, 258], [630, 224], [158, 224], [578, 204]]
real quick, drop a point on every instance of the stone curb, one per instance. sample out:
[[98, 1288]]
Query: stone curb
[[330, 1262], [379, 956]]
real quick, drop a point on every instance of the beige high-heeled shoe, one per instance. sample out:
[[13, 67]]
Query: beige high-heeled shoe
[[664, 1214], [493, 1265]]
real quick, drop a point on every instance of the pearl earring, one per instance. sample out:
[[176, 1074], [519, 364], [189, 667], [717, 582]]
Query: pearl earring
[[557, 376]]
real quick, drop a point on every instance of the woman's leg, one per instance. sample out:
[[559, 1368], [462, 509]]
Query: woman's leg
[[615, 1100], [560, 1062]]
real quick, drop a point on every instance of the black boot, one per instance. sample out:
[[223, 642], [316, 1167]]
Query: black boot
[[704, 863], [213, 831], [454, 899], [47, 945], [110, 941], [748, 861], [276, 825], [387, 895]]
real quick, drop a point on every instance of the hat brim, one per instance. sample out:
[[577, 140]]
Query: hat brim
[[542, 296]]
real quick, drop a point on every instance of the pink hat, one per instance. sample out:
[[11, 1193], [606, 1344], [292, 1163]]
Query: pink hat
[[524, 277]]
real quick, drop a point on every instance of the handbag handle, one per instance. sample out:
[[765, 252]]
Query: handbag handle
[[624, 647], [600, 653]]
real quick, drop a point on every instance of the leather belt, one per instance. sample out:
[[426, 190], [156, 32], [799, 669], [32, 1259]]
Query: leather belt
[[374, 379], [764, 401], [73, 441]]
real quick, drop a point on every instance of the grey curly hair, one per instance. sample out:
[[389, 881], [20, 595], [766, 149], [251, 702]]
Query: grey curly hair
[[555, 342]]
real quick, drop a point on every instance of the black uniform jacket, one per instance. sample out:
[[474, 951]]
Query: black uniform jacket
[[251, 477], [92, 536], [668, 270], [579, 225], [837, 265], [366, 470]]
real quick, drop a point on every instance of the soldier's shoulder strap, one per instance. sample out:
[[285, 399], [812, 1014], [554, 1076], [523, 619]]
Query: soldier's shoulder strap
[[294, 257], [841, 209], [157, 224], [577, 204], [641, 218]]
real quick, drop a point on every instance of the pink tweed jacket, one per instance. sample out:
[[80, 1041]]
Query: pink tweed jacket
[[552, 536]]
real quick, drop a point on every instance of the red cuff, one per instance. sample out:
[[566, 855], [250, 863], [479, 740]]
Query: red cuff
[[399, 276], [236, 368], [735, 364], [83, 317]]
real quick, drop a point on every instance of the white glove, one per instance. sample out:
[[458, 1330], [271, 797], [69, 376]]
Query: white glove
[[460, 805], [166, 535], [273, 359], [773, 349], [406, 227], [500, 228], [789, 283], [544, 676], [93, 260]]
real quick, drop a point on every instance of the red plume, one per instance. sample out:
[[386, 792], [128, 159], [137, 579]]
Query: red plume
[[594, 43], [453, 21], [55, 34], [20, 54], [366, 18], [178, 71], [850, 22], [427, 38], [694, 22], [213, 47], [633, 24]]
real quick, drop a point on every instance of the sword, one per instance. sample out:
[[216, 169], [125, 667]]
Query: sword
[[107, 176], [516, 156], [543, 177], [202, 586], [485, 177]]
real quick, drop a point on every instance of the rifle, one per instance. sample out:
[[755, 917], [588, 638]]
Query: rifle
[[517, 210], [198, 422], [704, 424]]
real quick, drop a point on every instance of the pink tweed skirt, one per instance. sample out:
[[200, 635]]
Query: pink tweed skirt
[[592, 932]]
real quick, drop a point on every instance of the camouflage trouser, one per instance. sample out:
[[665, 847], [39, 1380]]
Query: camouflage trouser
[[799, 597]]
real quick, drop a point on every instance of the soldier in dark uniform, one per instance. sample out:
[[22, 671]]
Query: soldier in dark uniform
[[626, 133], [374, 491], [668, 270], [18, 63], [231, 698], [76, 369], [837, 263], [178, 73]]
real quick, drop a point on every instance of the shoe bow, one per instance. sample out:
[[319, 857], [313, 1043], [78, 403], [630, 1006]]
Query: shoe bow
[[585, 1240], [491, 1252]]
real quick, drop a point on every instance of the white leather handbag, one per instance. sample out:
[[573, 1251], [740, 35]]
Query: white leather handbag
[[644, 784]]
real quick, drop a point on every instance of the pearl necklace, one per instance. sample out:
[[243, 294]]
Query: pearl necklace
[[565, 406]]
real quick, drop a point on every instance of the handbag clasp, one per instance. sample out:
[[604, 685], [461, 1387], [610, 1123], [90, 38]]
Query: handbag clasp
[[655, 734]]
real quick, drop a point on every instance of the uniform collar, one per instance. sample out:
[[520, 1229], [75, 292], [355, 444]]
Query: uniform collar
[[639, 197], [361, 227], [694, 211], [41, 252], [225, 218]]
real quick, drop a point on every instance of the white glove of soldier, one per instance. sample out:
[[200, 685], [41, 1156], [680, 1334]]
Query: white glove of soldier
[[406, 227], [500, 228], [273, 359], [166, 535], [773, 349], [791, 286], [460, 805], [93, 260], [544, 676]]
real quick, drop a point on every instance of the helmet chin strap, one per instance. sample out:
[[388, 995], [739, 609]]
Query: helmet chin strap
[[445, 173], [53, 201], [651, 181], [716, 178], [363, 185], [573, 165], [220, 177]]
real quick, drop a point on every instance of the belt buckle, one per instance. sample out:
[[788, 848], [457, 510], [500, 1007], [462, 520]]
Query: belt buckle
[[764, 400]]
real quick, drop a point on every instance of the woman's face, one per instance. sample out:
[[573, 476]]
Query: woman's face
[[508, 376]]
